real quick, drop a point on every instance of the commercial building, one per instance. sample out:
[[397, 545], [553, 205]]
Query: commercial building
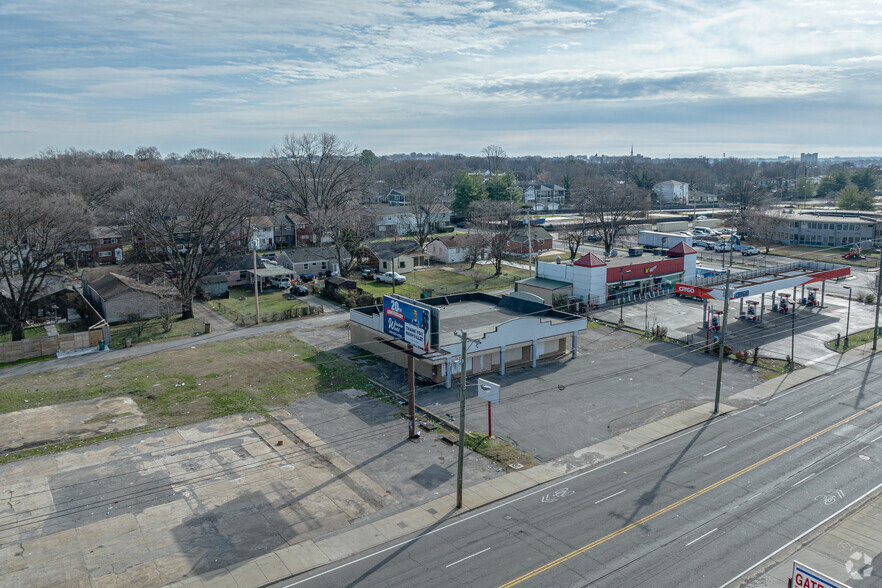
[[672, 192], [829, 228], [503, 331], [596, 281]]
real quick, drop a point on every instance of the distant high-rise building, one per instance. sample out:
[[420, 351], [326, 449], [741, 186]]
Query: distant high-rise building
[[808, 158]]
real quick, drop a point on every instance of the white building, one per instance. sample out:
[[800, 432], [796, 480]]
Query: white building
[[452, 248], [672, 192], [545, 196]]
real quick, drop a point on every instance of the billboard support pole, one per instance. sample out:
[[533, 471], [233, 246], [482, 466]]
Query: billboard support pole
[[411, 395]]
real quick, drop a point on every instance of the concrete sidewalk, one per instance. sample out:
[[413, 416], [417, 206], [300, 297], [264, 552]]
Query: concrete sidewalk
[[302, 557]]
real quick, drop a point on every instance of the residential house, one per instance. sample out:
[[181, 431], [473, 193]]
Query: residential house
[[400, 256], [236, 269], [310, 260], [394, 221], [672, 192], [120, 297], [519, 242], [215, 286], [543, 197], [261, 230], [453, 248], [283, 231], [106, 245], [52, 298], [397, 197]]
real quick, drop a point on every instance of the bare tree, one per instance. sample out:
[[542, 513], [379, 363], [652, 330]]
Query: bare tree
[[424, 210], [746, 198], [351, 227], [147, 153], [576, 235], [187, 220], [34, 230], [406, 173], [612, 205], [495, 223], [317, 174], [495, 155]]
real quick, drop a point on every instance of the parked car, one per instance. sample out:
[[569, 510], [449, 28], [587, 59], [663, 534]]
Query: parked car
[[280, 282], [702, 243], [368, 273], [722, 247], [593, 238], [390, 278], [724, 231], [269, 256], [306, 277], [702, 217], [749, 251], [300, 290]]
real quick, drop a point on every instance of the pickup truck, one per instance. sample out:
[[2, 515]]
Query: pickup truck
[[749, 251], [390, 277]]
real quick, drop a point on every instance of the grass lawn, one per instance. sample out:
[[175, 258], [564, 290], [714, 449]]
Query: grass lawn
[[271, 301], [153, 331], [828, 255], [854, 340], [442, 281], [190, 385], [29, 333]]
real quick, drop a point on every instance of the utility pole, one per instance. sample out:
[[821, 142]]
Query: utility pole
[[792, 333], [722, 343], [462, 399], [878, 291], [411, 395], [256, 303]]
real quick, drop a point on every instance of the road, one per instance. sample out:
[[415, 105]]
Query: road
[[696, 509]]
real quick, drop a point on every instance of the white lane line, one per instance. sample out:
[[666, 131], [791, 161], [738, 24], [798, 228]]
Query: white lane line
[[791, 542], [876, 439], [610, 496], [754, 496], [702, 537], [715, 450], [793, 416], [803, 480], [469, 557]]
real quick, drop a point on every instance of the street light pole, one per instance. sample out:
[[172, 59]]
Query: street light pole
[[722, 343], [847, 316]]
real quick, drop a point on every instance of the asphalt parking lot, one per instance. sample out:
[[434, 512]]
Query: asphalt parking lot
[[611, 387], [813, 327]]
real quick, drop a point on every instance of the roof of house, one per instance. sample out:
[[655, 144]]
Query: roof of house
[[671, 183], [304, 254], [297, 219], [102, 232], [213, 279], [521, 235], [51, 285], [111, 285], [261, 222], [236, 263], [590, 260], [456, 241], [144, 272], [389, 249]]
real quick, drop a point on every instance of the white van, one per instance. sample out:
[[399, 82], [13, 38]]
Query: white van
[[280, 282]]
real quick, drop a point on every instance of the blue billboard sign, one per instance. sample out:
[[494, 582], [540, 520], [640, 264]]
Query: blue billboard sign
[[407, 322]]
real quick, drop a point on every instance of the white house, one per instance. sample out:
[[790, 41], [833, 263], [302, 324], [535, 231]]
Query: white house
[[392, 221], [452, 248], [261, 228], [545, 196], [672, 192]]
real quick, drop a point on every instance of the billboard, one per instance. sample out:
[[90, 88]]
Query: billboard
[[407, 321], [806, 577]]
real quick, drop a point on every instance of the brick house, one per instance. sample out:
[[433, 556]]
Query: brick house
[[106, 245], [519, 242]]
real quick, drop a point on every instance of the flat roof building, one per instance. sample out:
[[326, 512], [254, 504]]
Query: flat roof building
[[507, 331]]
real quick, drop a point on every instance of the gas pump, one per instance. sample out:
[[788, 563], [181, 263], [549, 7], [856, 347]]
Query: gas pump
[[751, 311], [715, 320], [784, 305], [812, 299]]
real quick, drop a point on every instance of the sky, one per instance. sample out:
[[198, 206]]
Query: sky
[[679, 78]]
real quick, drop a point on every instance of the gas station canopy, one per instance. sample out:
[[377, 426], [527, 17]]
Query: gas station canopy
[[763, 280]]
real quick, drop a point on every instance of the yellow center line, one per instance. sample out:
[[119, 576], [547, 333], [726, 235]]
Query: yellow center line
[[683, 501]]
